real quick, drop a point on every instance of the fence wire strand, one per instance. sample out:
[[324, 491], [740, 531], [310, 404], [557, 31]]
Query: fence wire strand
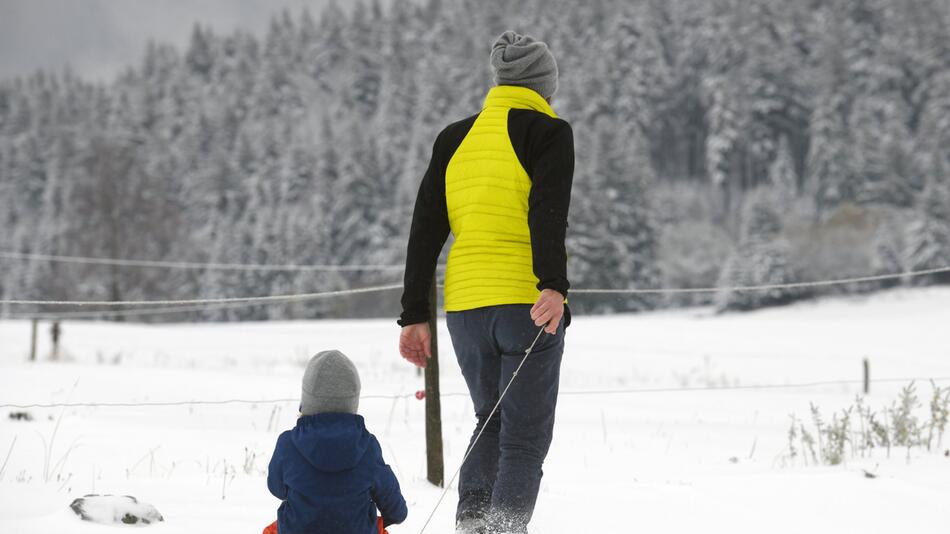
[[299, 297], [101, 314], [768, 287], [568, 393], [164, 307], [313, 296], [190, 265]]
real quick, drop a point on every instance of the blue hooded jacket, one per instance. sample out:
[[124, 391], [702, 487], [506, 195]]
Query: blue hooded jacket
[[330, 473]]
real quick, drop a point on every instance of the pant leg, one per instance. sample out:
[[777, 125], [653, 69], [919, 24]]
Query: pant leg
[[480, 362], [527, 414]]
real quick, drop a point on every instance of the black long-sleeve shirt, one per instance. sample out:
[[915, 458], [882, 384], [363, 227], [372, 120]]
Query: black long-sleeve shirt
[[545, 148]]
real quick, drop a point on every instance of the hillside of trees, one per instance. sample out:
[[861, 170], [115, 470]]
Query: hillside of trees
[[718, 142]]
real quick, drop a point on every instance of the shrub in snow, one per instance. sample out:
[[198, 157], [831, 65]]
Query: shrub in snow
[[115, 509], [898, 425], [906, 428], [939, 414], [832, 436]]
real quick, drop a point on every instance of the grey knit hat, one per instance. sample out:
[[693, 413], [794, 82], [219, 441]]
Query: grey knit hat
[[330, 384], [521, 60]]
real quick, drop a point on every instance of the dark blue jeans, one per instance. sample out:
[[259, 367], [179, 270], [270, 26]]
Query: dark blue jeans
[[501, 477]]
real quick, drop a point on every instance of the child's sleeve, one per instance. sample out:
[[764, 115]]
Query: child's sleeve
[[275, 470], [386, 493]]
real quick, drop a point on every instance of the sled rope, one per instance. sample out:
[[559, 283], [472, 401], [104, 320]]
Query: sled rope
[[471, 447]]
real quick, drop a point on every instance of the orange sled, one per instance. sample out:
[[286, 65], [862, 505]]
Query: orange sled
[[272, 528]]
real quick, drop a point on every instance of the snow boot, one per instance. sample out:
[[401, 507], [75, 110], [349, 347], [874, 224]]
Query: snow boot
[[471, 525]]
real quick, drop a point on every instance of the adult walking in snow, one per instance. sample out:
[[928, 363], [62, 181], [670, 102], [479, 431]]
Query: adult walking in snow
[[500, 181]]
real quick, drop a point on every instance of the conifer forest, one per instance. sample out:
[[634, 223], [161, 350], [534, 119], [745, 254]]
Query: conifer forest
[[719, 143]]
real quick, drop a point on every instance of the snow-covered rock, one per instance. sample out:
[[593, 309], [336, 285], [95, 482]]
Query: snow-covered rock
[[115, 509]]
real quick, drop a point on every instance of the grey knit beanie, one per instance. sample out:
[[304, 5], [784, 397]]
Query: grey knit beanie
[[330, 384], [521, 60]]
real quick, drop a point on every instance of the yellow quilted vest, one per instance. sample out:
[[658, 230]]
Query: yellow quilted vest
[[486, 193]]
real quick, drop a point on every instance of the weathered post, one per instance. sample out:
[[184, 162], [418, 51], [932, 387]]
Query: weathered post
[[33, 328], [867, 376], [435, 463], [55, 332]]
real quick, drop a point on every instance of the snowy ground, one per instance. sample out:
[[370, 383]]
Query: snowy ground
[[701, 461]]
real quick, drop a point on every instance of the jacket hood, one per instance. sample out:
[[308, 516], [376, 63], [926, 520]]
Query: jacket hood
[[331, 442]]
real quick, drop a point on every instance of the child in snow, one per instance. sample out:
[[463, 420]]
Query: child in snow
[[329, 470]]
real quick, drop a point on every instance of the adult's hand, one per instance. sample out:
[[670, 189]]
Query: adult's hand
[[548, 310], [415, 344]]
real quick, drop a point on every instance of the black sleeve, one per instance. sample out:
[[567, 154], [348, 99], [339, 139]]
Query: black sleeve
[[430, 225], [430, 229], [545, 147]]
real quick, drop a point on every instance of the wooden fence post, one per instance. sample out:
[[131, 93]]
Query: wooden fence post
[[435, 463], [867, 376], [34, 327], [55, 332]]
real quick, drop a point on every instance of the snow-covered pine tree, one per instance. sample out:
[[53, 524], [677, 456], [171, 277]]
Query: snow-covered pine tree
[[928, 236], [199, 58], [763, 255], [830, 175], [886, 258], [883, 161], [614, 242]]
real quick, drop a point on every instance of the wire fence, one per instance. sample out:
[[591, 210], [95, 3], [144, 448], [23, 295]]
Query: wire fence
[[103, 314], [567, 393], [199, 266], [769, 287], [197, 305], [275, 299], [300, 297], [178, 306]]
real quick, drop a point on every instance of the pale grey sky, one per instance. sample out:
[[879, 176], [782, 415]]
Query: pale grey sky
[[99, 37]]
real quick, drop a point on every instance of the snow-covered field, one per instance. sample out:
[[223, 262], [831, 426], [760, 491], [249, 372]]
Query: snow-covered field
[[698, 461]]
